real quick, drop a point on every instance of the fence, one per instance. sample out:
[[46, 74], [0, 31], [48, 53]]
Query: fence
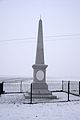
[[74, 87], [16, 87], [60, 90], [24, 86]]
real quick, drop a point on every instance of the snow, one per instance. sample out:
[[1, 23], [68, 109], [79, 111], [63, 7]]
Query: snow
[[19, 98], [42, 111], [14, 107]]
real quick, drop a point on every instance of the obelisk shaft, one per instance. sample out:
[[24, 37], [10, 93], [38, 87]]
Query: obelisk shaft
[[40, 48]]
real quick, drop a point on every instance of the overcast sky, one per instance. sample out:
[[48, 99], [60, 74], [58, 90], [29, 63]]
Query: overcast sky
[[19, 20]]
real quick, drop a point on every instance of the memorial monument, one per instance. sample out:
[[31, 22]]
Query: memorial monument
[[39, 85]]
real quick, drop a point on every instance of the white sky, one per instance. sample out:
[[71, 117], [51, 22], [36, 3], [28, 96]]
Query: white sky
[[19, 19]]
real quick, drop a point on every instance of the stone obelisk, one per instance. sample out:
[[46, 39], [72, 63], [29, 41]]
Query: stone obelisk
[[39, 85]]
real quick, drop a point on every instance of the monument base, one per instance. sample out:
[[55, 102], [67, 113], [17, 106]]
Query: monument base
[[40, 90]]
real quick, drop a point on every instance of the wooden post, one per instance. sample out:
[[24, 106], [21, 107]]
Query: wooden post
[[31, 95], [62, 85], [79, 87], [21, 86], [68, 90]]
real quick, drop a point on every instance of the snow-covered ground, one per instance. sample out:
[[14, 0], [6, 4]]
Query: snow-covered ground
[[42, 111], [14, 107], [19, 98]]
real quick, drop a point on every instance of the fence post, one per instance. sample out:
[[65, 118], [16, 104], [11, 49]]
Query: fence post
[[68, 90], [1, 88], [62, 85], [79, 87], [31, 95], [21, 86]]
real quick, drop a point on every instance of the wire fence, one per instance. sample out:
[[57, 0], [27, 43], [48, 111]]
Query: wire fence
[[61, 91], [57, 91], [16, 87], [74, 87]]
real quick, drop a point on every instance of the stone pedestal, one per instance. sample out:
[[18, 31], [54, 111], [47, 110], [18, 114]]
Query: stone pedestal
[[40, 90]]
